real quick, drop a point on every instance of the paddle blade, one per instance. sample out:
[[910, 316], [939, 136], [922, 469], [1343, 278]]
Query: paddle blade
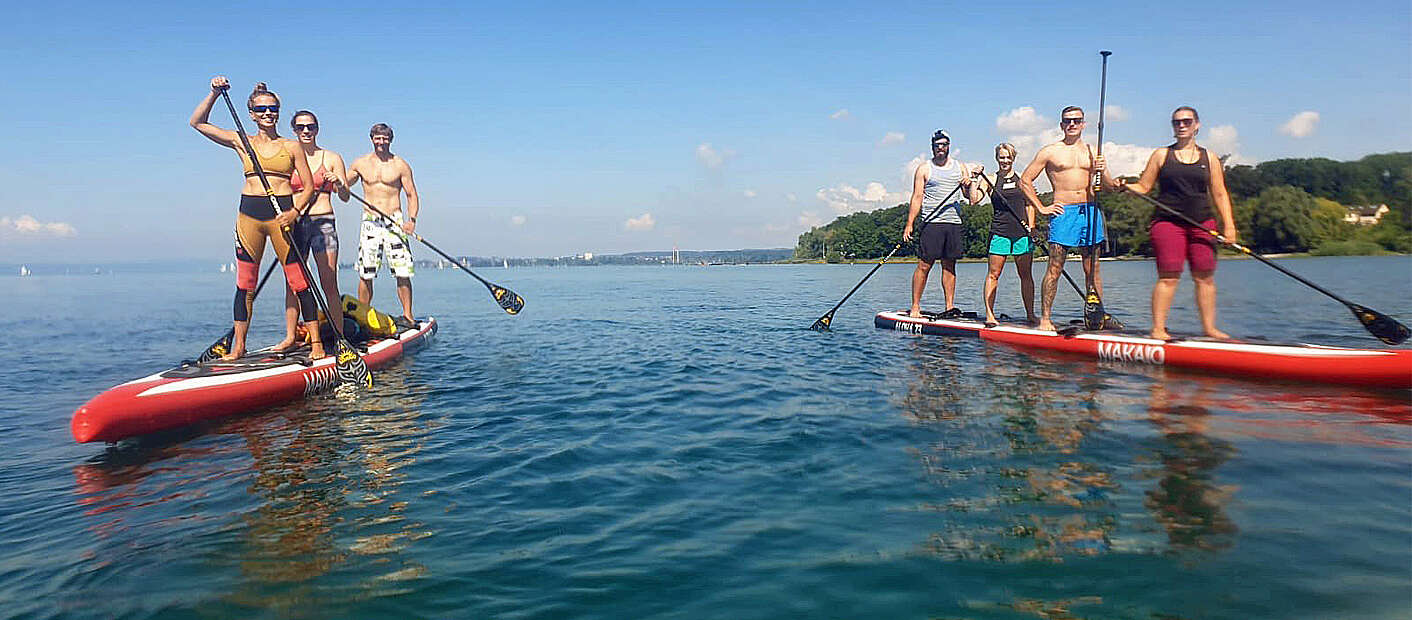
[[350, 368], [1112, 322], [1384, 327], [1093, 311], [217, 349], [822, 325], [508, 300]]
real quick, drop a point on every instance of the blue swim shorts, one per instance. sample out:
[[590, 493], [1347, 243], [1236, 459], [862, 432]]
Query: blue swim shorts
[[1080, 225]]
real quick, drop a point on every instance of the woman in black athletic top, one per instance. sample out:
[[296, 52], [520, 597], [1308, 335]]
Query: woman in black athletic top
[[1191, 181], [1009, 233]]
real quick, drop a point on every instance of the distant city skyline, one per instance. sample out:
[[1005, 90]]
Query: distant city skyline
[[615, 128]]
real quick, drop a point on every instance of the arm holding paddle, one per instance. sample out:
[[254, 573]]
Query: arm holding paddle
[[336, 173], [1222, 198], [305, 198], [201, 116], [914, 206], [968, 180]]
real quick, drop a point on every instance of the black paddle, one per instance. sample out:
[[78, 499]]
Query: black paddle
[[222, 345], [822, 325], [1094, 315], [1105, 318], [510, 302], [1380, 325], [349, 365]]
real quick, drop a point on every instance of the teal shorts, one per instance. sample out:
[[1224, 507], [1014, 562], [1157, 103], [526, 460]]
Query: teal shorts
[[1004, 246]]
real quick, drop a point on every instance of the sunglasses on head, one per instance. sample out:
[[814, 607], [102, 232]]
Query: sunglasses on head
[[1070, 121], [264, 108], [306, 126], [1177, 122]]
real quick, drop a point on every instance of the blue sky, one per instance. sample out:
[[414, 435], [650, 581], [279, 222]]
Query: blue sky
[[636, 126]]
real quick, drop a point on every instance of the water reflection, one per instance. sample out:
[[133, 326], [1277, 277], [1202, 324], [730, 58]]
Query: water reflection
[[324, 494], [1048, 457], [1185, 499], [1009, 456]]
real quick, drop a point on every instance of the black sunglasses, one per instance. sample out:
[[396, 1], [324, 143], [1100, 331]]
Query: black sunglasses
[[304, 126], [264, 108], [1070, 121], [1176, 122]]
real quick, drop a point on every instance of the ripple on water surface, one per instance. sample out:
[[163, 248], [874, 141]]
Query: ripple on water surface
[[675, 443]]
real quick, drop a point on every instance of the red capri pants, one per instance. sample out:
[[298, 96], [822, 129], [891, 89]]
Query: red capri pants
[[1176, 243]]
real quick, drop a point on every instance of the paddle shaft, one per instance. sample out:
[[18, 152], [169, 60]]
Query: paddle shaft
[[1102, 104], [392, 222], [289, 237], [921, 225], [1242, 249], [1028, 233]]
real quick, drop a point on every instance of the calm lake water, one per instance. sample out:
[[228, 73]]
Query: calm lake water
[[672, 442]]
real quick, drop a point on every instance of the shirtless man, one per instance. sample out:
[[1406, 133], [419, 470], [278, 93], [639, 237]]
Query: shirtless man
[[385, 176], [1075, 221]]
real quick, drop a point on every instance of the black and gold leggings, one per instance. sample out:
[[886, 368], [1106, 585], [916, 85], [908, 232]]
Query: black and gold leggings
[[253, 225]]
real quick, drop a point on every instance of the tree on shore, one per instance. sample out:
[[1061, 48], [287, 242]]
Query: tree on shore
[[1285, 205]]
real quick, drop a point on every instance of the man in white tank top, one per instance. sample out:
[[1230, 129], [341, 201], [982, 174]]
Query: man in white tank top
[[939, 185]]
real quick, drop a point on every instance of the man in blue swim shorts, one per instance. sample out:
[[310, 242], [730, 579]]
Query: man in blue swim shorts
[[1075, 223]]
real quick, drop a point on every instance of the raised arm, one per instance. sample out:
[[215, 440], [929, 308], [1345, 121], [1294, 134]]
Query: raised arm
[[1148, 179], [200, 117], [1221, 198], [414, 205], [914, 206]]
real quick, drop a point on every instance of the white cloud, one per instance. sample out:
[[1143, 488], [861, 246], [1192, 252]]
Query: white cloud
[[841, 115], [712, 158], [1022, 120], [810, 219], [27, 225], [517, 220], [892, 137], [910, 168], [1225, 140], [749, 193], [791, 197], [1125, 160], [1301, 125], [641, 223], [1115, 113], [844, 198]]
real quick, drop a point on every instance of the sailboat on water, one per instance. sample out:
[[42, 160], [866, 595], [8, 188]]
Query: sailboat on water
[[24, 271]]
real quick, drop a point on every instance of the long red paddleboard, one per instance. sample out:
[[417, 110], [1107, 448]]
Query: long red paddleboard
[[196, 392], [1388, 368]]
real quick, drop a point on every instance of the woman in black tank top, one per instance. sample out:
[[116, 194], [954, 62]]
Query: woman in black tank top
[[1009, 233], [1190, 182]]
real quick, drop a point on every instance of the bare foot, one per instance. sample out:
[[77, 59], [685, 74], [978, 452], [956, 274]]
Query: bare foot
[[1032, 320], [286, 345], [316, 351], [1216, 333], [1045, 325], [234, 354], [915, 312], [1160, 334]]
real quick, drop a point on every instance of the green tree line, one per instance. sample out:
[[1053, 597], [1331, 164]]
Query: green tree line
[[1284, 205]]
